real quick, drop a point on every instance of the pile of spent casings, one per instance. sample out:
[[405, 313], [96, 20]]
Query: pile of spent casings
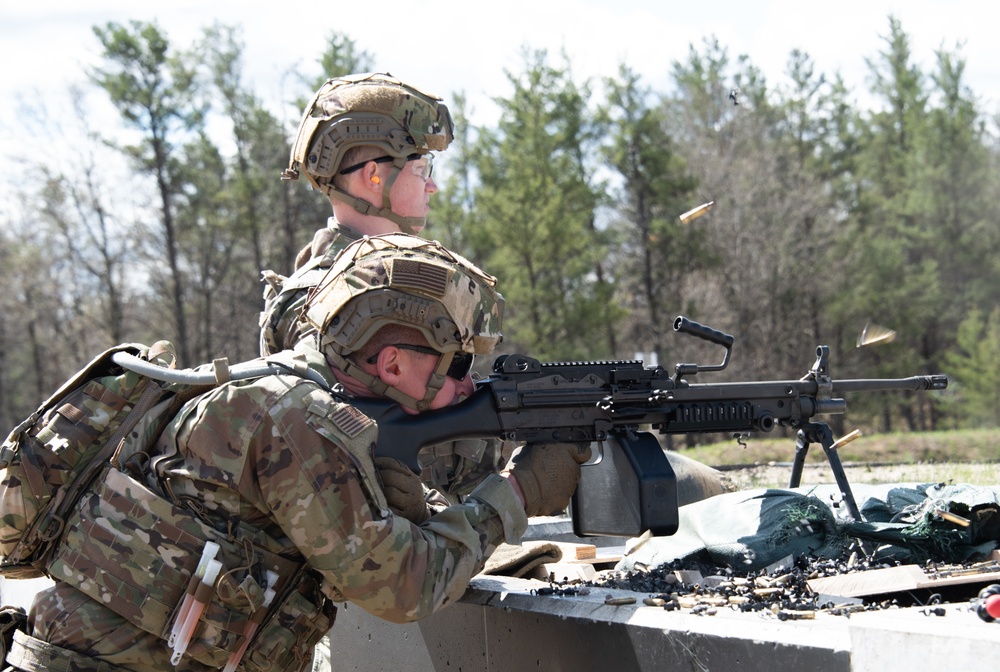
[[781, 590]]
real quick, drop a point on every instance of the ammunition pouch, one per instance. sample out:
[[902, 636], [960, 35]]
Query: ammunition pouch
[[12, 619], [135, 552]]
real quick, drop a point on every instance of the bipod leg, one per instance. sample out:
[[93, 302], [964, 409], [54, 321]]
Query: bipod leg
[[824, 435], [801, 448]]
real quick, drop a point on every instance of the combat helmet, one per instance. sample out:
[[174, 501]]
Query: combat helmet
[[367, 109], [405, 280]]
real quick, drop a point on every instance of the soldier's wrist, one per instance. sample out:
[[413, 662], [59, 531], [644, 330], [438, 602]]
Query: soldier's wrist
[[498, 494], [512, 479]]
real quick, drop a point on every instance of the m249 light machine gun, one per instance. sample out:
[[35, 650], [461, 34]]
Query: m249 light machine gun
[[629, 487]]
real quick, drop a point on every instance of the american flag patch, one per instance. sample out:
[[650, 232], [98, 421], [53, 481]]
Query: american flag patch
[[351, 421], [419, 275]]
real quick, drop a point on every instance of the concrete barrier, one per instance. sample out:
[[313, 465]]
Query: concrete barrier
[[500, 625]]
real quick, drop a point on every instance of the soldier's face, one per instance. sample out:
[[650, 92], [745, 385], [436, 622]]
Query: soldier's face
[[418, 368], [411, 192]]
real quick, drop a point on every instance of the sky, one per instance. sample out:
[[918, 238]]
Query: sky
[[445, 47]]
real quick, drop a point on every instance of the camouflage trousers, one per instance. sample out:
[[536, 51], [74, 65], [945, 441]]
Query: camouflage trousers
[[33, 655]]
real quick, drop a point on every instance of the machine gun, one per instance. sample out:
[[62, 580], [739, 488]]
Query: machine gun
[[630, 486]]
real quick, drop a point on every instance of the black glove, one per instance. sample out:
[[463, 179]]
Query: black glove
[[403, 489], [548, 474]]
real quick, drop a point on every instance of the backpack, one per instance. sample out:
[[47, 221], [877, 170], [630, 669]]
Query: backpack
[[52, 456]]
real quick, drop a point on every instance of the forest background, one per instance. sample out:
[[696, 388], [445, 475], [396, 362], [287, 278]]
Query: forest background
[[827, 217]]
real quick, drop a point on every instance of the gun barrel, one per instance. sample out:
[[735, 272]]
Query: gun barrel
[[928, 382]]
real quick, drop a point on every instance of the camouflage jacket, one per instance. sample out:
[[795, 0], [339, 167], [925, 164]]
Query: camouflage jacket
[[282, 463], [284, 298], [452, 469]]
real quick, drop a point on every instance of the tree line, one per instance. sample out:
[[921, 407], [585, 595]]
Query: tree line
[[827, 216]]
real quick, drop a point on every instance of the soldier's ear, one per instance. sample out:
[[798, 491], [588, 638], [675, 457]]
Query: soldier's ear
[[391, 365], [370, 173]]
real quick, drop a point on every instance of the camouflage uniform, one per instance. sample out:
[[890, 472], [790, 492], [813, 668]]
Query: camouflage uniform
[[366, 110], [281, 326], [286, 459], [452, 470]]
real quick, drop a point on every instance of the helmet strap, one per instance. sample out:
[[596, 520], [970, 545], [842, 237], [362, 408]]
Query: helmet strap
[[436, 381], [380, 388], [406, 224]]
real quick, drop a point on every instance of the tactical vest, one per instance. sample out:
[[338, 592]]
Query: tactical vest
[[135, 551], [284, 297]]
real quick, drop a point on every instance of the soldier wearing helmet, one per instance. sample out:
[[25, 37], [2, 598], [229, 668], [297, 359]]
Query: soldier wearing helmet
[[364, 133], [445, 308], [366, 142], [278, 472]]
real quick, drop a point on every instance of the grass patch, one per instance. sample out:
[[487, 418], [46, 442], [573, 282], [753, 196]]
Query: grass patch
[[970, 445], [772, 476]]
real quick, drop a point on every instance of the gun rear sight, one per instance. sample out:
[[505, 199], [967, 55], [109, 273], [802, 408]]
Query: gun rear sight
[[685, 326]]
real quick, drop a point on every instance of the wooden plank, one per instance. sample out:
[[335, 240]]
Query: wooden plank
[[936, 582], [895, 579], [571, 551], [872, 582], [588, 553]]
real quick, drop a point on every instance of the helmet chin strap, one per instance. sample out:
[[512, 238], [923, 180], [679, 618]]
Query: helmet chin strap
[[382, 389], [410, 225], [436, 381], [405, 224]]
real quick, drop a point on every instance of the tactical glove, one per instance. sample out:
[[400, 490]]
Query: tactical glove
[[548, 474], [403, 489]]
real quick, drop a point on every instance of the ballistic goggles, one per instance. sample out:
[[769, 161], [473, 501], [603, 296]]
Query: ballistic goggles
[[461, 362]]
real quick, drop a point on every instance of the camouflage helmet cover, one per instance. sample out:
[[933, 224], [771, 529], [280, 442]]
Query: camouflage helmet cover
[[366, 109], [401, 279]]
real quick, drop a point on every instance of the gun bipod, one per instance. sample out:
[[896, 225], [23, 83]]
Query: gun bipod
[[819, 432]]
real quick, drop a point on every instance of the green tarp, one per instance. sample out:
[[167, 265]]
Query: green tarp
[[752, 529]]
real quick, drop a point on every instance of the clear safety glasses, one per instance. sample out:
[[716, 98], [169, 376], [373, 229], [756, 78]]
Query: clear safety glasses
[[421, 165]]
